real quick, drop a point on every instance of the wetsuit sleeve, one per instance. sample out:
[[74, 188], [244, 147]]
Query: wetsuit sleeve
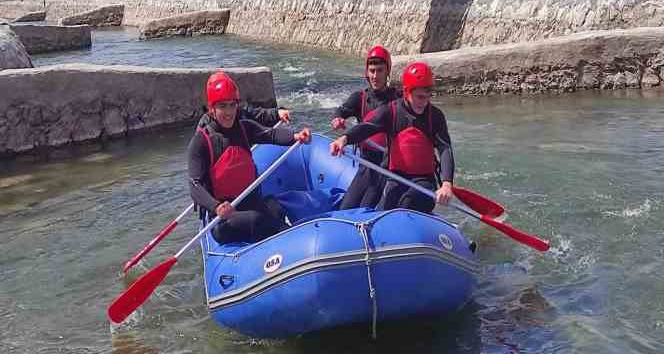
[[350, 108], [198, 169], [380, 122], [444, 145], [260, 134], [264, 116]]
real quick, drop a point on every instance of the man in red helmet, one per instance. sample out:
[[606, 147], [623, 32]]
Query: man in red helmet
[[414, 128], [365, 189], [265, 116], [221, 166]]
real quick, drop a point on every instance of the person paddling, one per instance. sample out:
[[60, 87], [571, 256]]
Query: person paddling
[[221, 166], [414, 128], [365, 189]]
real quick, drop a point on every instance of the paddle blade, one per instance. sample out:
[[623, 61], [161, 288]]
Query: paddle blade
[[478, 202], [517, 235], [138, 292]]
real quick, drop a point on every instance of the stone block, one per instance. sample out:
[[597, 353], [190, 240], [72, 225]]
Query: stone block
[[104, 16], [13, 54], [44, 39], [79, 102], [32, 17], [190, 24], [599, 59]]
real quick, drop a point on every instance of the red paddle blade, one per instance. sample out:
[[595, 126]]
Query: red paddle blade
[[519, 236], [478, 202], [138, 292]]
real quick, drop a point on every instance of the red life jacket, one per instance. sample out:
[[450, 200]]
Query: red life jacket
[[380, 138], [411, 150], [233, 171]]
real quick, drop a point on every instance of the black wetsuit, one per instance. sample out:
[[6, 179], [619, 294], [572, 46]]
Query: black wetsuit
[[252, 220], [366, 188], [395, 194]]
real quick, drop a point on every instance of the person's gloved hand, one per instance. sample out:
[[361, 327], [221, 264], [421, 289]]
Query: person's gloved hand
[[304, 136], [284, 115]]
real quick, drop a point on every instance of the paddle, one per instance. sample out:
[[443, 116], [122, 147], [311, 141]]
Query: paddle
[[507, 229], [165, 231], [477, 202], [140, 290]]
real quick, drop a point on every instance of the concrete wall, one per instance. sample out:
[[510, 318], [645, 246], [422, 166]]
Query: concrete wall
[[53, 106], [413, 26], [502, 21], [350, 26], [405, 26], [11, 9], [614, 59]]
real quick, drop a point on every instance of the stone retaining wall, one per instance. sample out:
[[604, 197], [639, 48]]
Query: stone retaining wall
[[502, 21], [44, 39], [404, 26], [350, 26], [59, 105], [592, 60], [413, 26]]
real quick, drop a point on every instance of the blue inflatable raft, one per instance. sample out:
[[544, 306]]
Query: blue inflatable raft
[[334, 268]]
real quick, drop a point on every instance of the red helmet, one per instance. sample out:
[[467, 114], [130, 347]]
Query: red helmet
[[220, 87], [379, 52], [416, 75]]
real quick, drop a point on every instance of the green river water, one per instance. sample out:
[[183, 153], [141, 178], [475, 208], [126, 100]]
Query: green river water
[[584, 170]]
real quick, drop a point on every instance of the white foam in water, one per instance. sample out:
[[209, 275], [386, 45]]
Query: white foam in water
[[484, 176], [564, 254], [324, 100], [562, 248], [600, 196], [641, 210], [301, 75], [128, 324], [584, 262], [291, 68]]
